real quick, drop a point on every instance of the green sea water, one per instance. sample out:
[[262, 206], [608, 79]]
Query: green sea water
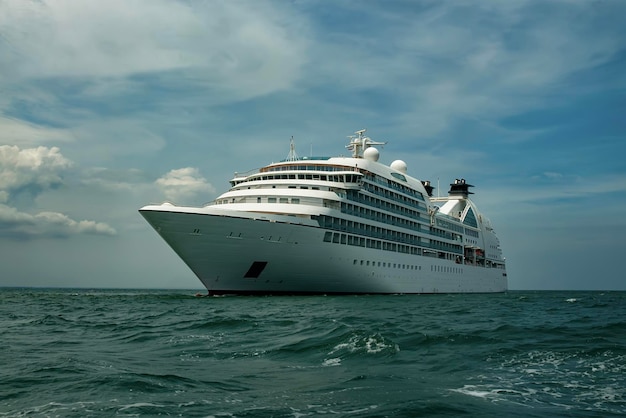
[[78, 353]]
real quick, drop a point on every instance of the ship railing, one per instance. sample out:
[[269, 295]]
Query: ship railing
[[401, 209], [310, 167], [448, 217], [238, 175], [395, 186], [400, 222], [388, 235], [440, 247]]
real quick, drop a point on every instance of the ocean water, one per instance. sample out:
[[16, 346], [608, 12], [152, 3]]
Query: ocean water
[[78, 353]]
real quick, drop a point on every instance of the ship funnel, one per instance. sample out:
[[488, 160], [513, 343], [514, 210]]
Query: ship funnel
[[428, 187], [460, 188]]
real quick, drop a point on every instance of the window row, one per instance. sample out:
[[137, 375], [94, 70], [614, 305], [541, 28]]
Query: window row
[[356, 196], [374, 178], [414, 246], [444, 234], [398, 197], [307, 167], [259, 199], [374, 215], [378, 216], [449, 225], [344, 225], [339, 178], [471, 232], [446, 269], [359, 241], [386, 264]]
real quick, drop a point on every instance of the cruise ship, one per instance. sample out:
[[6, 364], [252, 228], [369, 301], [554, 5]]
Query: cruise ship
[[335, 225]]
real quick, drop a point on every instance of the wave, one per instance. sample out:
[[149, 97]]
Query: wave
[[160, 353], [357, 343]]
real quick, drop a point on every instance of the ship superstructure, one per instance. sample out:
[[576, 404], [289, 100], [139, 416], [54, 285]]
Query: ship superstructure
[[329, 225]]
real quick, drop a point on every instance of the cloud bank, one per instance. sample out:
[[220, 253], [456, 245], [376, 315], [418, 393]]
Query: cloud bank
[[46, 224], [39, 167], [244, 50], [35, 170]]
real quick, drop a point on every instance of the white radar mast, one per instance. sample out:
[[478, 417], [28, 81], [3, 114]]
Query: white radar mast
[[292, 156], [359, 143]]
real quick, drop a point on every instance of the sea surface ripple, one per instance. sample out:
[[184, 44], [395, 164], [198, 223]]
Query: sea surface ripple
[[77, 353]]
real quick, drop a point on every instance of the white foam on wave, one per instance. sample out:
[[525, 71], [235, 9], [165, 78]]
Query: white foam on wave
[[550, 377], [493, 392], [55, 408], [329, 362], [471, 390], [371, 344], [375, 345], [140, 405]]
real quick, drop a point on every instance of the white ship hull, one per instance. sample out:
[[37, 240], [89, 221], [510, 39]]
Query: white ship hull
[[247, 253]]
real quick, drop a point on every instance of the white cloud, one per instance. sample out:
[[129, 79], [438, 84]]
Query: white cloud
[[39, 167], [184, 184], [244, 49], [63, 223], [47, 224]]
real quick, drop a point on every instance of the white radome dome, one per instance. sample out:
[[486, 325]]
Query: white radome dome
[[371, 154], [399, 165]]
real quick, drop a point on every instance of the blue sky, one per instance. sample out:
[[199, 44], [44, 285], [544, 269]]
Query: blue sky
[[109, 105]]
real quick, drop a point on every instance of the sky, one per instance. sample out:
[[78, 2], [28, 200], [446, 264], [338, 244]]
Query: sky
[[106, 106]]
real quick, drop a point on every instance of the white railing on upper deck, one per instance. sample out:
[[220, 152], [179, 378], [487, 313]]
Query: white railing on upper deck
[[246, 173]]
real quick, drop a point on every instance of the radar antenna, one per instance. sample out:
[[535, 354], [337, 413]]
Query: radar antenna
[[292, 156], [360, 142]]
